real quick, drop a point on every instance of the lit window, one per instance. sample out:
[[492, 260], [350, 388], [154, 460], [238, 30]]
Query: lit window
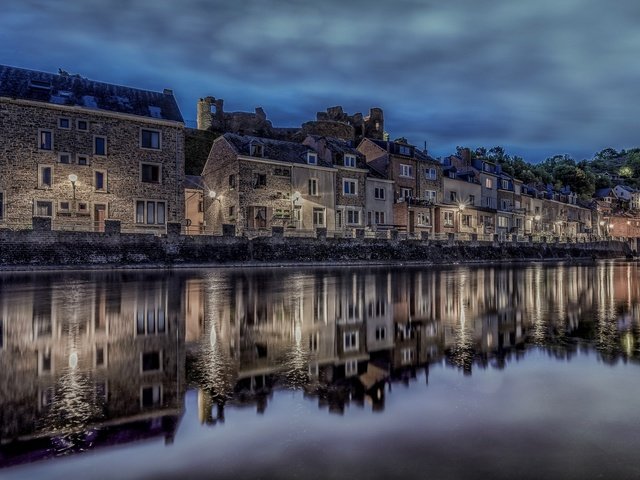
[[99, 145], [349, 161], [349, 187], [150, 212], [488, 183], [45, 139], [150, 139], [150, 173]]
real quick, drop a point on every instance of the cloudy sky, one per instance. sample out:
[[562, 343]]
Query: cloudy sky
[[536, 76]]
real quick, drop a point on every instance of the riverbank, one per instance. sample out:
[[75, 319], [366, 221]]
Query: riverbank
[[32, 250]]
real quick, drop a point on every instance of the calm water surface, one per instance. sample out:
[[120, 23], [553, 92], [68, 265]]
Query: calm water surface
[[463, 372]]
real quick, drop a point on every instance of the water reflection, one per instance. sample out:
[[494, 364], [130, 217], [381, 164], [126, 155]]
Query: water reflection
[[101, 359]]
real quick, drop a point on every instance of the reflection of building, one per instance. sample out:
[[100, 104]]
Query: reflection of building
[[87, 362]]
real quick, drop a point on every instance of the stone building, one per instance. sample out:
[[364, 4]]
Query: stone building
[[336, 123], [79, 151], [351, 179], [258, 183], [417, 180]]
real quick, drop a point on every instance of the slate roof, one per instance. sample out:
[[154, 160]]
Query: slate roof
[[604, 192], [76, 91], [279, 150]]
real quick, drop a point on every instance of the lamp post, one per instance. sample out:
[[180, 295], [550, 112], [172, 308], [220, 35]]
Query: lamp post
[[461, 207], [213, 196], [73, 178]]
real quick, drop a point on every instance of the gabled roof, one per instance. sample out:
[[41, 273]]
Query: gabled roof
[[604, 192], [338, 145], [76, 91], [279, 150]]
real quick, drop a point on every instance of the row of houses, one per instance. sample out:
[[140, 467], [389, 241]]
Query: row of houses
[[79, 152]]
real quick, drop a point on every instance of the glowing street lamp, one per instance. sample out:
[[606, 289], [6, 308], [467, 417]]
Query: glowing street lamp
[[73, 178]]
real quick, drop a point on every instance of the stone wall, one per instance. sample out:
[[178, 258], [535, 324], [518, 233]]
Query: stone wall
[[35, 249]]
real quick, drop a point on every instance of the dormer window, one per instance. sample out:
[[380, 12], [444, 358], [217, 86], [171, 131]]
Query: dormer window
[[404, 150], [350, 161], [312, 158], [257, 150]]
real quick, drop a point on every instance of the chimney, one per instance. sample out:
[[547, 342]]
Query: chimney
[[466, 156]]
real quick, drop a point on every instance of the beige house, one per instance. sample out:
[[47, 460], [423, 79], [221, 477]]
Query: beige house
[[79, 152], [258, 183], [194, 192]]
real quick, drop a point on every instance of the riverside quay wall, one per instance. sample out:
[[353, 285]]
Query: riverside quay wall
[[42, 247]]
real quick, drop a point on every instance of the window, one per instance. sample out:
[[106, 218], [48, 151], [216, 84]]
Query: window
[[45, 139], [256, 150], [381, 333], [101, 356], [83, 160], [349, 161], [424, 219], [318, 217], [406, 170], [45, 176], [64, 158], [313, 186], [232, 211], [150, 212], [379, 217], [349, 187], [259, 180], [82, 125], [378, 193], [45, 361], [151, 396], [406, 193], [448, 219], [431, 174], [453, 196], [314, 340], [100, 180], [64, 123], [350, 341], [44, 208], [282, 172], [353, 217], [64, 207], [150, 139], [1, 206], [430, 196], [472, 200], [150, 320], [83, 208], [351, 368], [408, 355], [99, 145], [467, 221], [149, 173], [232, 181], [404, 150], [503, 222], [488, 183], [312, 158], [505, 184], [151, 361]]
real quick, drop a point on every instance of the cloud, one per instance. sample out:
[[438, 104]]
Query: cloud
[[542, 76]]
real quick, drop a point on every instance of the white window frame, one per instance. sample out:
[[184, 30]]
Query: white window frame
[[313, 192], [504, 184], [160, 354], [349, 160], [430, 195], [106, 150], [151, 130], [312, 158], [153, 164], [350, 368], [488, 183], [78, 121], [352, 182], [44, 200], [503, 222], [324, 216], [146, 201], [406, 192], [448, 218], [157, 386], [353, 212], [406, 170], [50, 132], [351, 340], [381, 333], [61, 208], [379, 193], [60, 155], [86, 160], [40, 184], [431, 174], [379, 218]]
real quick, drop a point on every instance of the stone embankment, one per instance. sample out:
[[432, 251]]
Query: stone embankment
[[43, 248]]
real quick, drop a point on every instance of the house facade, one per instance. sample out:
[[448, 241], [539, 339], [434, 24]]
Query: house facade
[[257, 183], [79, 152]]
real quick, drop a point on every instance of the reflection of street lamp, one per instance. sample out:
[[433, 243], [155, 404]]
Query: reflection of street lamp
[[213, 196], [537, 220], [461, 207], [628, 225], [73, 178]]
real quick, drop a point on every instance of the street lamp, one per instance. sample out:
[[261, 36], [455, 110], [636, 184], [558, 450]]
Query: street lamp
[[73, 178], [537, 220], [461, 207]]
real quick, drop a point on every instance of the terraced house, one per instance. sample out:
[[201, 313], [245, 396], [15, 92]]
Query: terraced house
[[78, 152], [257, 183]]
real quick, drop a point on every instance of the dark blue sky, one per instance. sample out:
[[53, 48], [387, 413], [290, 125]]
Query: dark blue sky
[[537, 77]]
